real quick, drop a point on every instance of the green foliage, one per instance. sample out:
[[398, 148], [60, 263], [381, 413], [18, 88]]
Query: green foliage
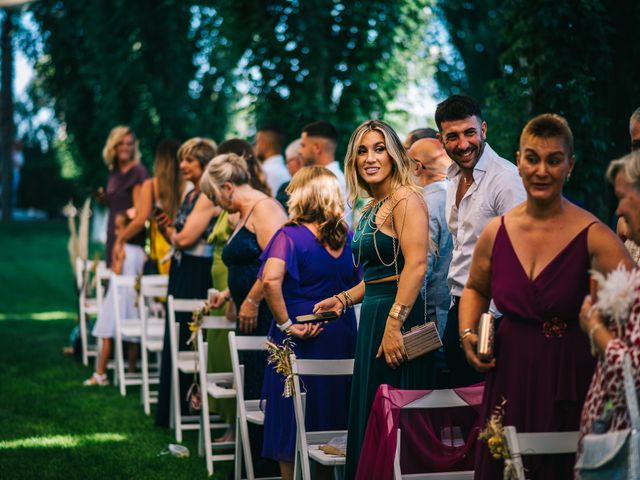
[[119, 62], [573, 58], [175, 68], [321, 59]]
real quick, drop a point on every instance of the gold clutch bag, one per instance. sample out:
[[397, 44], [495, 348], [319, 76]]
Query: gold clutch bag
[[486, 329], [421, 340]]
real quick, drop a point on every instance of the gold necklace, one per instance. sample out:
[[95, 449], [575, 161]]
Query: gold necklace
[[467, 182]]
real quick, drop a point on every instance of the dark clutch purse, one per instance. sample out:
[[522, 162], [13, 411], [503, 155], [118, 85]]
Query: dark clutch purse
[[421, 340]]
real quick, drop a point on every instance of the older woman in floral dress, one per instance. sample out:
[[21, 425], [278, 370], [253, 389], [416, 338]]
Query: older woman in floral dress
[[605, 408]]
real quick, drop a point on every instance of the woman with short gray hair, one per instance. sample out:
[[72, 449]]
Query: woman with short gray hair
[[612, 339]]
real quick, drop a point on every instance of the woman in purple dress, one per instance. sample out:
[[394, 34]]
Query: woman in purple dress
[[306, 261], [534, 262], [126, 175]]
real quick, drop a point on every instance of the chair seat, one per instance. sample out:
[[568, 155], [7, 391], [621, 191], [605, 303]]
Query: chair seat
[[155, 329], [187, 361], [155, 345], [213, 385], [91, 306], [254, 414], [131, 328], [324, 458]]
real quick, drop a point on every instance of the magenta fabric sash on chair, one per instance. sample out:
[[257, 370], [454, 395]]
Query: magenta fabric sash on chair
[[422, 448]]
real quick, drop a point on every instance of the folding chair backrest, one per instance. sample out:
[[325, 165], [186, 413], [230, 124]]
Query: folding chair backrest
[[179, 305], [103, 274], [538, 443], [217, 322], [239, 343], [311, 367], [446, 398], [81, 266], [322, 367], [154, 285]]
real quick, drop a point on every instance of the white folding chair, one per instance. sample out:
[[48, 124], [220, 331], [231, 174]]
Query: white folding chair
[[308, 443], [87, 306], [539, 443], [125, 327], [436, 399], [213, 384], [103, 277], [152, 322], [182, 361], [248, 411]]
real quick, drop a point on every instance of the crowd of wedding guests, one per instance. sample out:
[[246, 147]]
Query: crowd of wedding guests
[[437, 228]]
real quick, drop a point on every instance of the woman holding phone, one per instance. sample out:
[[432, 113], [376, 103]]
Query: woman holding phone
[[294, 277]]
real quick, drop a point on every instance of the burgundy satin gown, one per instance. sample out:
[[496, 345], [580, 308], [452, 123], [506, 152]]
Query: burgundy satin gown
[[543, 362]]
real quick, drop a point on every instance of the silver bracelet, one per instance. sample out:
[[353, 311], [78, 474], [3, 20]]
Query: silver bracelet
[[284, 326], [253, 302]]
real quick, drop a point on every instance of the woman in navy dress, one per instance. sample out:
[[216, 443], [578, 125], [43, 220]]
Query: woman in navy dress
[[227, 181], [307, 260]]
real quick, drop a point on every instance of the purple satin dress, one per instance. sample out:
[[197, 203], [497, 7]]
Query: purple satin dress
[[543, 363]]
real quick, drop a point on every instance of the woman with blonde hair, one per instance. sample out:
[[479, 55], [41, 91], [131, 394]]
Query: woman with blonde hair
[[294, 276], [190, 273], [219, 359], [126, 176], [227, 182], [393, 255]]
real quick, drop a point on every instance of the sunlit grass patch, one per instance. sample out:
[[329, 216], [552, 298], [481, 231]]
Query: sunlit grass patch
[[62, 441]]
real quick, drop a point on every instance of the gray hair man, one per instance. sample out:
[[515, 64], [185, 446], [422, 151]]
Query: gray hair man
[[293, 162]]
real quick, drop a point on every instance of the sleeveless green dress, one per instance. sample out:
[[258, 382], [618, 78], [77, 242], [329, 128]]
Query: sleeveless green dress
[[219, 358], [374, 251]]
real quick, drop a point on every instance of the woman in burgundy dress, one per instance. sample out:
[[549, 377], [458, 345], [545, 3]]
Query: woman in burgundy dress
[[126, 175], [534, 262]]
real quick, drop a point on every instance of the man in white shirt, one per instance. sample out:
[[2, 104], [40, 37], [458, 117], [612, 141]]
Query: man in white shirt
[[482, 185], [318, 144], [269, 143]]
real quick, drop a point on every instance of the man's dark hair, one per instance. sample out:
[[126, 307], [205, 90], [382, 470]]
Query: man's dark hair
[[322, 129], [276, 137], [457, 107]]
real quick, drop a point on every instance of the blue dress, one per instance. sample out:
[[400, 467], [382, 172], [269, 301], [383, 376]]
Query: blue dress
[[312, 274]]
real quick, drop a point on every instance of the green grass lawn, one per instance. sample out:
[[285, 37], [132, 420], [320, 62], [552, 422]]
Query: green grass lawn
[[50, 425]]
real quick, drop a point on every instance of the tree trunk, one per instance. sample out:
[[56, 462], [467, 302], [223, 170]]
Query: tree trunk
[[6, 113]]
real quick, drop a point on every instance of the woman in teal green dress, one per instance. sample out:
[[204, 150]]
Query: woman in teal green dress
[[391, 242]]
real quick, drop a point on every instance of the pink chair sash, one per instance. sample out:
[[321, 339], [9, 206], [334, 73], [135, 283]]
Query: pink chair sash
[[422, 448]]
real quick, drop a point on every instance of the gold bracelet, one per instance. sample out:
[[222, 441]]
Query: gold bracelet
[[592, 331], [344, 306], [348, 299], [399, 312]]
